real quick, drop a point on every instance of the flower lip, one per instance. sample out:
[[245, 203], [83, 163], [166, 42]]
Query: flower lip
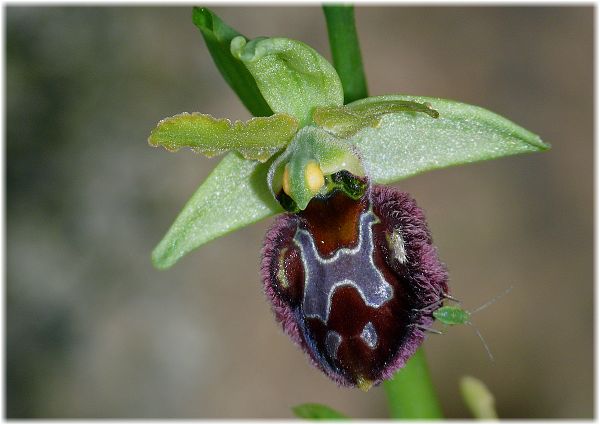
[[348, 280]]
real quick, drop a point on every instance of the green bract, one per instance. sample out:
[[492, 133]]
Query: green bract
[[386, 138], [478, 398]]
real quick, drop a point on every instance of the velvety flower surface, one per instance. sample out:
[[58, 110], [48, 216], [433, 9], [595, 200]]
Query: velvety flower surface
[[351, 279]]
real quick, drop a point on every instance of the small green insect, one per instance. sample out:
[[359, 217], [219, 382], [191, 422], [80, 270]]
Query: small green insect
[[451, 315], [455, 315]]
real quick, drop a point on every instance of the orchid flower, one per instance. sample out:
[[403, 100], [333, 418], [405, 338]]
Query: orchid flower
[[349, 265]]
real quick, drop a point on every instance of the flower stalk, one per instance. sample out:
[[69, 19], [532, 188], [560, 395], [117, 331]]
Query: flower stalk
[[345, 51], [410, 392]]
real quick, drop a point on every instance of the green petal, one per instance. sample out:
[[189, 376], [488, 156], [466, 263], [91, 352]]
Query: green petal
[[405, 144], [258, 138], [317, 411], [312, 144], [218, 36], [345, 121], [234, 195], [292, 77]]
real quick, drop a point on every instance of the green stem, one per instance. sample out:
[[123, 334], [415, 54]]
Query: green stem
[[345, 51], [410, 392]]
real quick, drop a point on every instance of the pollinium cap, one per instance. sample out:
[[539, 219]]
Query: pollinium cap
[[349, 279]]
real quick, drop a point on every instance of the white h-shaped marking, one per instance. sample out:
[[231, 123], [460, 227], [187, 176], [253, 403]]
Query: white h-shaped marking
[[348, 266]]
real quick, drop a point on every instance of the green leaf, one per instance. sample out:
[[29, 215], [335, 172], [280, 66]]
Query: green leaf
[[259, 138], [218, 36], [478, 398], [292, 77], [405, 144], [316, 411], [345, 121], [234, 195], [311, 145]]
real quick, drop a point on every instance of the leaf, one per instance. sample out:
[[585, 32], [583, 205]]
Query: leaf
[[345, 121], [311, 145], [218, 36], [234, 195], [405, 144], [292, 77], [478, 398], [259, 138], [316, 411]]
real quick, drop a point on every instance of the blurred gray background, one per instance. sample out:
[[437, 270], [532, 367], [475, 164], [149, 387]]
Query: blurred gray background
[[94, 331]]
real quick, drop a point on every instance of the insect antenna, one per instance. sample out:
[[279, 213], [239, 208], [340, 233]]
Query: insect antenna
[[450, 297], [430, 330], [487, 348], [493, 300]]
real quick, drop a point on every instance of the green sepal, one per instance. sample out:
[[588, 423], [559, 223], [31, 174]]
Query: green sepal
[[233, 196], [312, 144], [405, 144], [257, 138], [292, 77], [218, 36], [316, 411], [345, 121]]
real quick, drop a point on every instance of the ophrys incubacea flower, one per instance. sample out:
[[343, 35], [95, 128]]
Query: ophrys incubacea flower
[[350, 265]]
